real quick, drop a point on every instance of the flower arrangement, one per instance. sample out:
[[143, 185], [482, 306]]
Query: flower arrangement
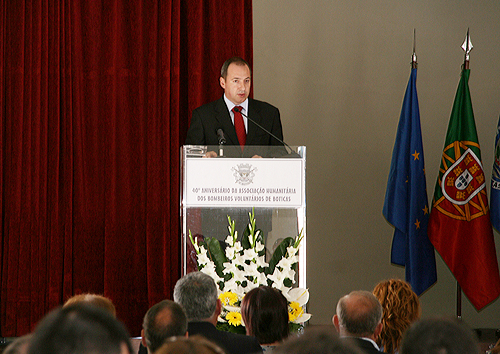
[[242, 267]]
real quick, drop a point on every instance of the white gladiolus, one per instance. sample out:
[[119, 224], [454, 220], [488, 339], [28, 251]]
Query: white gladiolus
[[246, 269]]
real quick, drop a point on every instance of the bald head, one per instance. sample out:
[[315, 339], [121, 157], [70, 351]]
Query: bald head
[[359, 314], [164, 320]]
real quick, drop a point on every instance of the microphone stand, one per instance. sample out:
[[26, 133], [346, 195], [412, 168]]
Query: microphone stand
[[222, 141], [267, 131], [221, 149]]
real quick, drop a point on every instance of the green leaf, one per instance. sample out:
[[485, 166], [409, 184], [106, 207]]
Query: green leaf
[[245, 241], [296, 327], [287, 282], [226, 327], [216, 254], [279, 253]]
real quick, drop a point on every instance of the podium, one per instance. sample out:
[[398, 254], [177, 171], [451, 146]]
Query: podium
[[236, 183]]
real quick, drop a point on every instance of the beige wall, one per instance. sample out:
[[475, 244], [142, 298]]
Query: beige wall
[[338, 71]]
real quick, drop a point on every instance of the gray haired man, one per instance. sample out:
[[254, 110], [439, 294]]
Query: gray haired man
[[197, 293]]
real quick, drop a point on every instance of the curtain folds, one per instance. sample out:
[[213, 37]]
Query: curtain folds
[[95, 101]]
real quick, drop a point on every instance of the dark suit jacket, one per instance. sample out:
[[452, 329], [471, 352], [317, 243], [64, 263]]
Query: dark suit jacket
[[232, 343], [364, 345], [207, 119]]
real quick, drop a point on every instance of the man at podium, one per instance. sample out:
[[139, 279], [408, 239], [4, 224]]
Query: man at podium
[[236, 120], [242, 127]]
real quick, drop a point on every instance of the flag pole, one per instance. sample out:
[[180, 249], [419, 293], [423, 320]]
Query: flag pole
[[467, 47], [414, 63]]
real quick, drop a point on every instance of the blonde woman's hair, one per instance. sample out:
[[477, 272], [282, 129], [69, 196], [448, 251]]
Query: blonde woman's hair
[[401, 308], [93, 300]]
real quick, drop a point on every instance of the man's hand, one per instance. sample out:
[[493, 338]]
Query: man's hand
[[210, 154]]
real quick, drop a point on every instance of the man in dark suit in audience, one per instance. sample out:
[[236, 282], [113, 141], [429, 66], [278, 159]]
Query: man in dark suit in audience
[[359, 319], [164, 320], [197, 293]]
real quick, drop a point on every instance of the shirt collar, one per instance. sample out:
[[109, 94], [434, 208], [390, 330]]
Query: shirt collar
[[367, 339], [230, 105]]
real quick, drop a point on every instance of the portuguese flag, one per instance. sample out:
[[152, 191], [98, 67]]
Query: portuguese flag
[[459, 225]]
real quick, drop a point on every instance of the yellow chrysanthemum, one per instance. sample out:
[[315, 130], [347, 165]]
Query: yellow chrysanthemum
[[234, 318], [228, 298], [294, 311]]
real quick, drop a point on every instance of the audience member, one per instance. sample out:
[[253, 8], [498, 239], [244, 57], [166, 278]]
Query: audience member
[[79, 329], [317, 341], [197, 293], [193, 345], [401, 308], [439, 336], [358, 317], [19, 345], [93, 300], [164, 320], [265, 313]]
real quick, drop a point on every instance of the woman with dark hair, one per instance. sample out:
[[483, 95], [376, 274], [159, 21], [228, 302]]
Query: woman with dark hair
[[264, 311]]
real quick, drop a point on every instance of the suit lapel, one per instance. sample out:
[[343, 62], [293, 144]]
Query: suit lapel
[[224, 119], [254, 114]]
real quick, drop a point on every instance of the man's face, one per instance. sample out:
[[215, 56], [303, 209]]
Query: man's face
[[237, 83]]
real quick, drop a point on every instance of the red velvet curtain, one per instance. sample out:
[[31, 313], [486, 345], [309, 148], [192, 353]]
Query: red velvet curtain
[[95, 99]]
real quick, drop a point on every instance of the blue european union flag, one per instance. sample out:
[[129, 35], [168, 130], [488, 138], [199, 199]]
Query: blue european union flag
[[495, 184], [405, 205]]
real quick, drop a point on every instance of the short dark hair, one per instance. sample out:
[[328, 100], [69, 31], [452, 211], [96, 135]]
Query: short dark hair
[[79, 329], [156, 330], [265, 313], [197, 293], [233, 60], [317, 341], [362, 319], [439, 335]]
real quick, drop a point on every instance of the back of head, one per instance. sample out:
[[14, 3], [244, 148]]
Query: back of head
[[193, 345], [401, 308], [79, 329], [265, 313], [197, 293], [359, 313], [164, 320], [439, 336], [20, 345], [93, 300], [317, 341]]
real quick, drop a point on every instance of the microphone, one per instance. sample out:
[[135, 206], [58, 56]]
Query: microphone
[[222, 141], [220, 135], [236, 109]]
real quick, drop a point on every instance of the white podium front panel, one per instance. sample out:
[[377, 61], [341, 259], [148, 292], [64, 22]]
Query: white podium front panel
[[232, 182]]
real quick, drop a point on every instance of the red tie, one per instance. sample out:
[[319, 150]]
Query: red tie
[[239, 125]]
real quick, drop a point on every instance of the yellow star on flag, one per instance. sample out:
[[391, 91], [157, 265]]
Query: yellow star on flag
[[417, 224], [426, 210], [415, 155]]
